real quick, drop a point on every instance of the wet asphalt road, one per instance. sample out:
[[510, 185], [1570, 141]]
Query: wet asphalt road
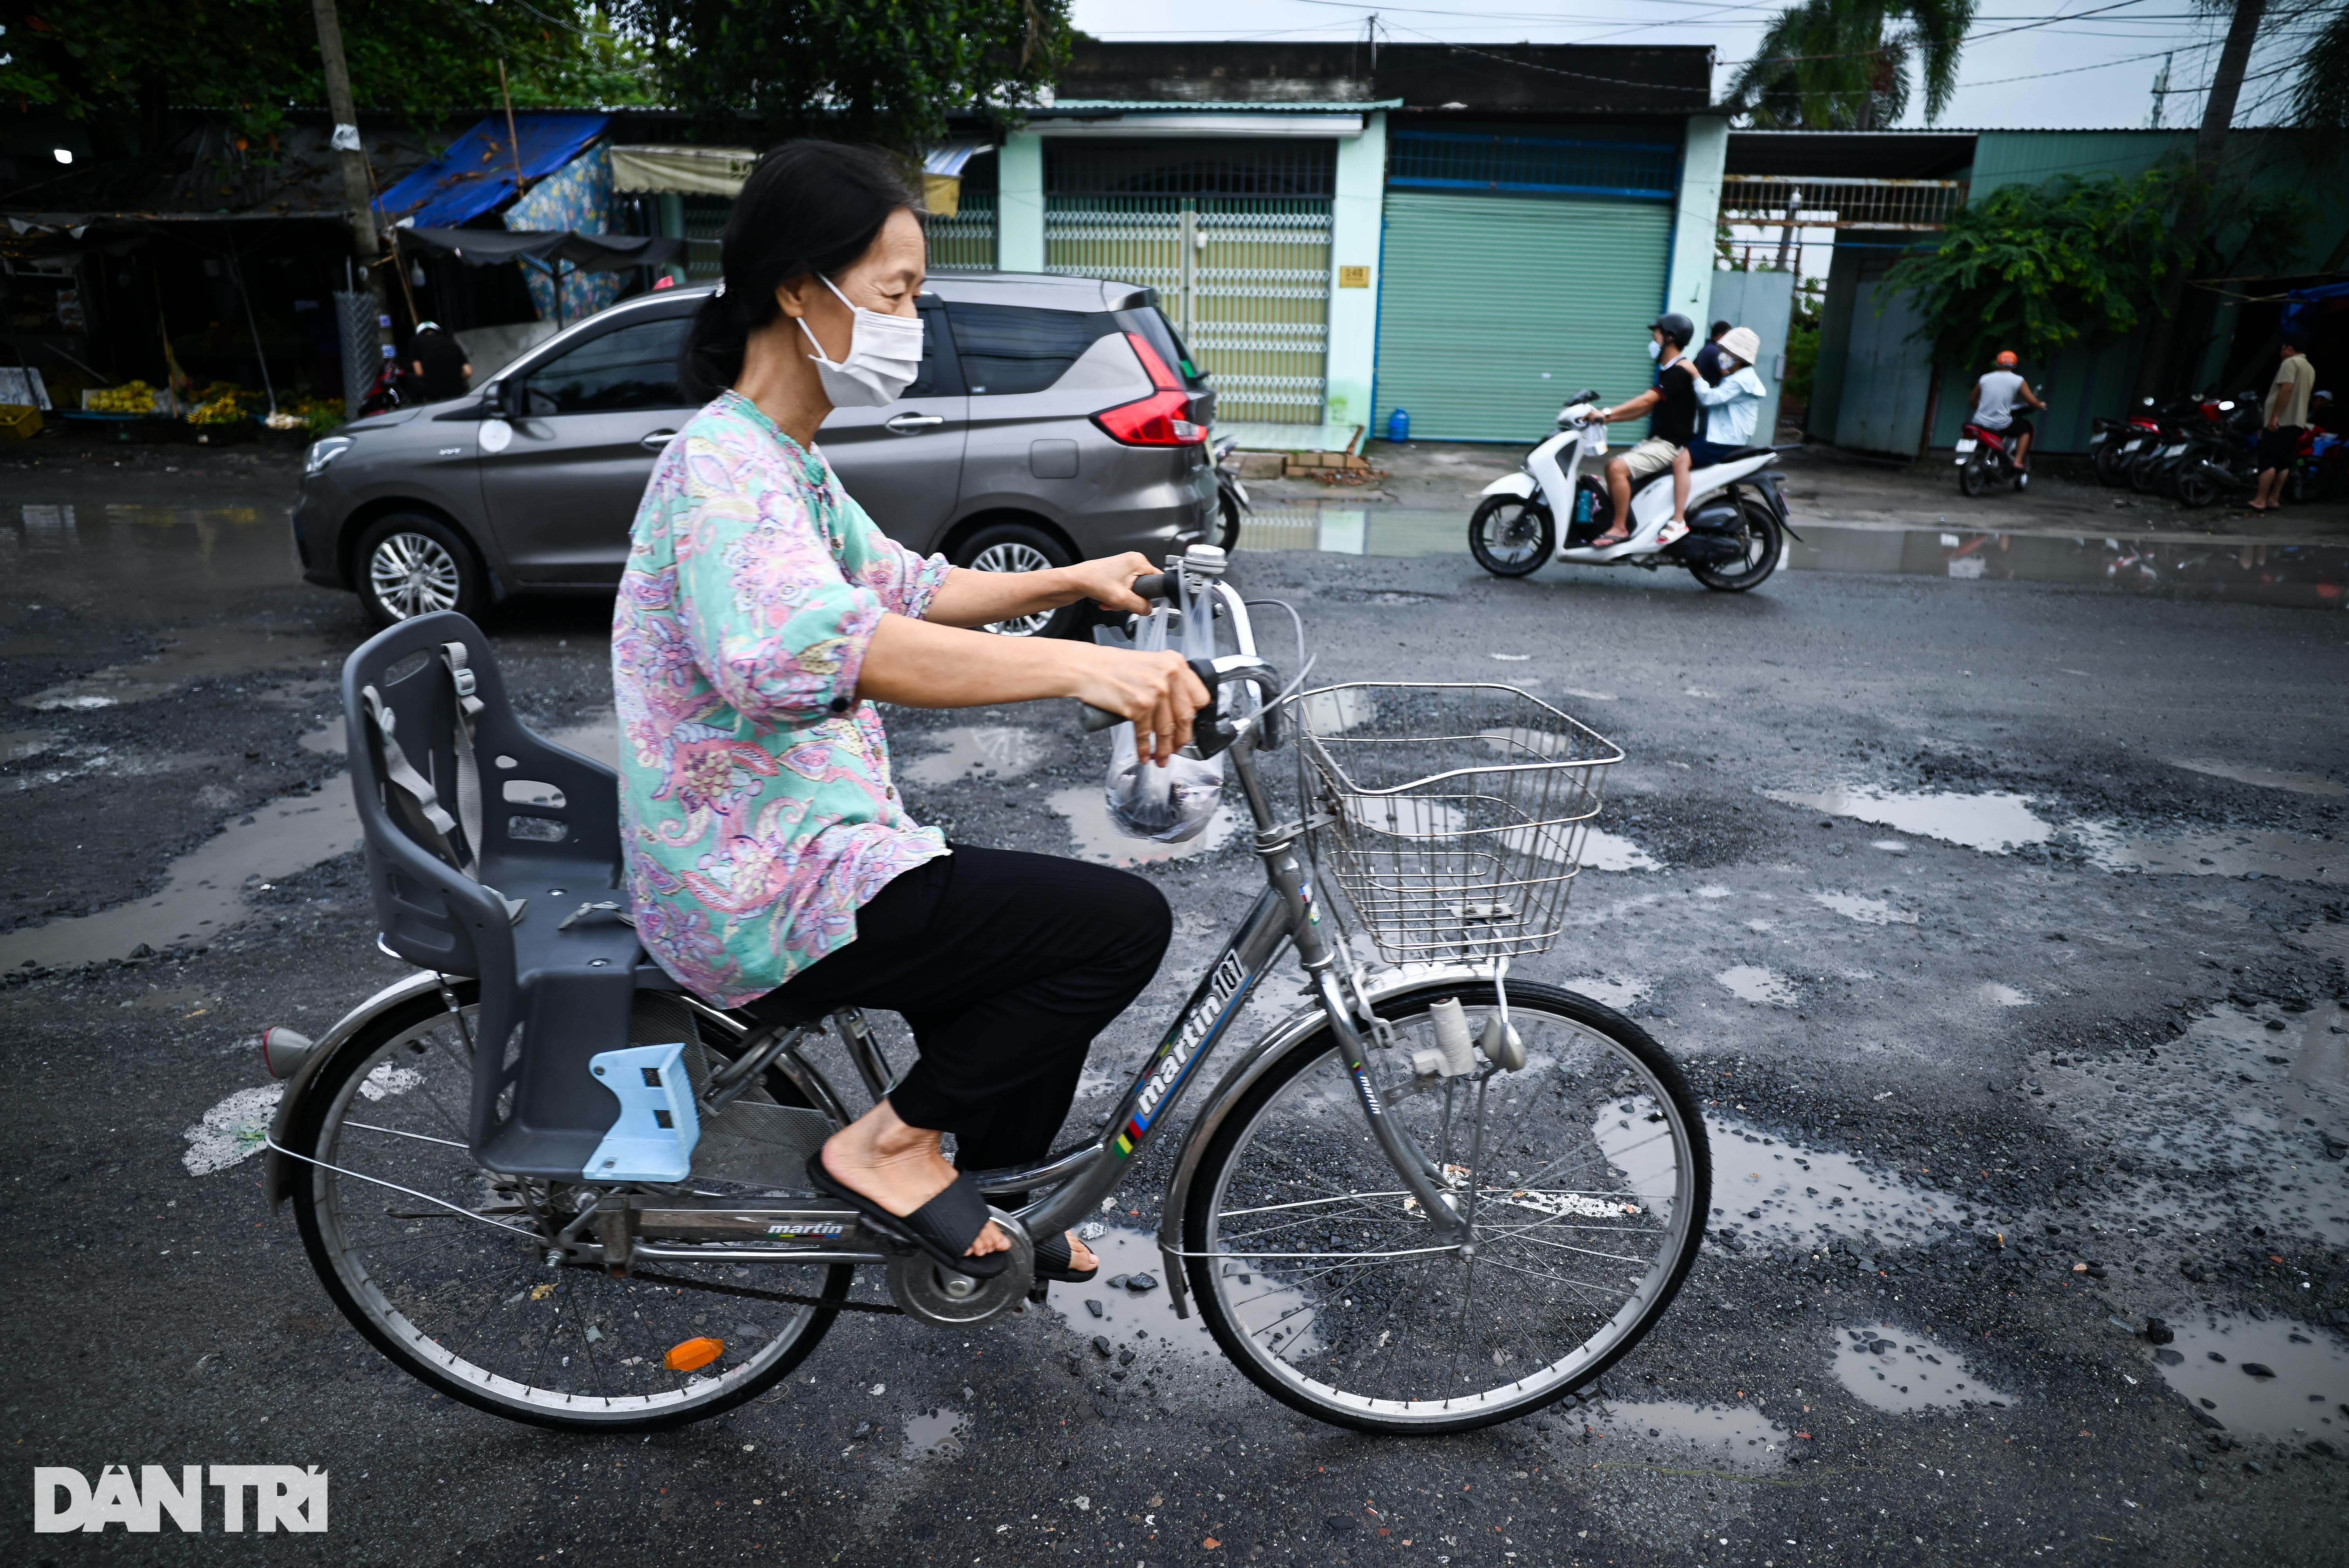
[[2010, 1052]]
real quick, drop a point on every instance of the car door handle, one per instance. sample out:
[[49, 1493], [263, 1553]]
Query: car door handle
[[653, 441], [905, 424]]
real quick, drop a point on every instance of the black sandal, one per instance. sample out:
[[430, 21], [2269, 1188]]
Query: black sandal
[[945, 1227], [1054, 1257]]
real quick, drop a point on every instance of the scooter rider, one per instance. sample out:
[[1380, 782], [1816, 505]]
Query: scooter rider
[[1992, 406], [1673, 398]]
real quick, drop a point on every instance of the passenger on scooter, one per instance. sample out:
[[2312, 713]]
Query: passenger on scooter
[[1673, 398], [772, 866], [1711, 362], [1992, 403], [1731, 404]]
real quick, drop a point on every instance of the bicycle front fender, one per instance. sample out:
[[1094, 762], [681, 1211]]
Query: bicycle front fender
[[1437, 980], [277, 1177]]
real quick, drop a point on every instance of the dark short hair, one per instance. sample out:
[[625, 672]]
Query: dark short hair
[[1718, 328], [808, 207]]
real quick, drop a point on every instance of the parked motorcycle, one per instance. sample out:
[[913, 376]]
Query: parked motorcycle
[[1985, 458], [1737, 525], [1231, 496]]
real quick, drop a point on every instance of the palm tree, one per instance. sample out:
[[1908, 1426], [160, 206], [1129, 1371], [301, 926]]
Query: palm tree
[[1843, 65]]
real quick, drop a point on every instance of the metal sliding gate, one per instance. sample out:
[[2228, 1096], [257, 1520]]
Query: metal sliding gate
[[1236, 240]]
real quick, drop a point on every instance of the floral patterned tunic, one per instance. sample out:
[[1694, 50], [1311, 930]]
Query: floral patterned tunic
[[756, 804]]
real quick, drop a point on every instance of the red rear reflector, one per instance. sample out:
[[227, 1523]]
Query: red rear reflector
[[694, 1353]]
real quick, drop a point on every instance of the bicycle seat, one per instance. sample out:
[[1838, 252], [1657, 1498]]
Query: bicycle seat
[[493, 853]]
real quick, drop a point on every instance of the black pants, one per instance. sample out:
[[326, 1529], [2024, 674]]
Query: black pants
[[1005, 965]]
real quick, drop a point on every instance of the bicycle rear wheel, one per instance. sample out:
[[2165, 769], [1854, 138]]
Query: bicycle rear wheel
[[1320, 1278], [442, 1264]]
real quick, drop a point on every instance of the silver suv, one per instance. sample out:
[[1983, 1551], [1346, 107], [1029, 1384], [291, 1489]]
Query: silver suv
[[1056, 419]]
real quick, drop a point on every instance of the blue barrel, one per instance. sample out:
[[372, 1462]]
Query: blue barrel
[[1399, 426]]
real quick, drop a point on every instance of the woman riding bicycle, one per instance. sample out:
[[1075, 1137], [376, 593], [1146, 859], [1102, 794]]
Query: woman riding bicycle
[[770, 864]]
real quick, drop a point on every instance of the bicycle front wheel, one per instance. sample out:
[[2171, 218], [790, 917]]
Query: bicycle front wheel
[[442, 1264], [1585, 1177]]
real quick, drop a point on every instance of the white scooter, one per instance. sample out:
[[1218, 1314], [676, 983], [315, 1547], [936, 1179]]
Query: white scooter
[[1737, 515]]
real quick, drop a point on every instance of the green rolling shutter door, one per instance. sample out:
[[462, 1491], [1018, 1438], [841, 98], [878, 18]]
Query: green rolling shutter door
[[1482, 296]]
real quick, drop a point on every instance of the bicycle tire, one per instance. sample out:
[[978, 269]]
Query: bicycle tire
[[363, 1301], [1550, 1383]]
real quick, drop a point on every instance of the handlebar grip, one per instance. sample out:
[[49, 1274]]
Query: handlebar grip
[[1154, 585], [1092, 720]]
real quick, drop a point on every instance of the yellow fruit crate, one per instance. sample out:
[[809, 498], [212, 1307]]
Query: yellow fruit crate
[[19, 422]]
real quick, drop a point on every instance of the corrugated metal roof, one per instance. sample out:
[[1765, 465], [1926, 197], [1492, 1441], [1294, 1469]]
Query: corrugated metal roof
[[1204, 106]]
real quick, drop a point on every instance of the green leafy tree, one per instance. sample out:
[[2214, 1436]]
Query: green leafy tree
[[2042, 268], [120, 64], [887, 72], [1844, 65]]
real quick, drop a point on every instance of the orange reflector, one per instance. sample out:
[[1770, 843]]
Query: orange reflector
[[694, 1355]]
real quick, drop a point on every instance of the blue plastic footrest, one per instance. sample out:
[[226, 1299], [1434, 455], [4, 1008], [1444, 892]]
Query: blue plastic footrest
[[653, 1141]]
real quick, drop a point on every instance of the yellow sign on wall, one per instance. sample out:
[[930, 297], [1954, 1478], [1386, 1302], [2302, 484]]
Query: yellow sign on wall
[[1353, 277]]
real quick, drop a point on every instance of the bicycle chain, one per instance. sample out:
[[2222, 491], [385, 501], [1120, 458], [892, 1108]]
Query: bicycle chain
[[789, 1298]]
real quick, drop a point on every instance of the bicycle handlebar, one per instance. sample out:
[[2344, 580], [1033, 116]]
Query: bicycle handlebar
[[1096, 719]]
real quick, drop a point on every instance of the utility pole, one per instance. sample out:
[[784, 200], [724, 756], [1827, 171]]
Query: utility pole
[[2160, 91], [365, 244], [2209, 148]]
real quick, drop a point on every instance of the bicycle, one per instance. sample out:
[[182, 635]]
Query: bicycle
[[1430, 1199]]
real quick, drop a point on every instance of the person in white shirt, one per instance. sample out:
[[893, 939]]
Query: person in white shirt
[[1728, 410], [1992, 406]]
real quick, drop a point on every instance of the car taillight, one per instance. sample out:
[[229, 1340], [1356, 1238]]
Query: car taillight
[[1161, 420]]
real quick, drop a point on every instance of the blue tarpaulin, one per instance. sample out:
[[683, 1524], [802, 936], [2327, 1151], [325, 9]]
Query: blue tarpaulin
[[477, 172]]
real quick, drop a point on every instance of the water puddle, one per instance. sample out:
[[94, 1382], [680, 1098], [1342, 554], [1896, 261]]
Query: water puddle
[[1752, 982], [196, 653], [1141, 1321], [1722, 1436], [143, 561], [205, 890], [20, 745], [2225, 853], [1335, 712], [2265, 778], [1900, 1371], [1993, 822], [1606, 851], [936, 1434], [2277, 1378], [1998, 996], [1867, 911], [1616, 994], [976, 751], [232, 1131], [1097, 839], [2306, 575], [1774, 1192]]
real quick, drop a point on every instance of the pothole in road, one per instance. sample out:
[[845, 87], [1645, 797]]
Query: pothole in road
[[976, 751], [1141, 1321], [2219, 853], [1732, 1435], [1752, 982], [2275, 1379], [1902, 1371], [1606, 851], [1865, 910], [2264, 778], [1993, 822], [934, 1434], [196, 653]]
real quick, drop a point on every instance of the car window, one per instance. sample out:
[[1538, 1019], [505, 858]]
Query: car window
[[1009, 348], [633, 367]]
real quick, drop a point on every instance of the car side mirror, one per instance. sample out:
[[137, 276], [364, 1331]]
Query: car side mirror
[[501, 399]]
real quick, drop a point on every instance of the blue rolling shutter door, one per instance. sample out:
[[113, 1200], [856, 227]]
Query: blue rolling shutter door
[[1481, 296]]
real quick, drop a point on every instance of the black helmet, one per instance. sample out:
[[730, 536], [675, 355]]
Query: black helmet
[[1675, 325]]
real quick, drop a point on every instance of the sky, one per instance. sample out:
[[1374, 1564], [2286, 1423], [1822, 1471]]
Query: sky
[[2029, 64]]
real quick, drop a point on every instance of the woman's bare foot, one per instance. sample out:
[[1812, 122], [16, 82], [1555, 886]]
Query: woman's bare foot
[[1081, 1256], [877, 1156]]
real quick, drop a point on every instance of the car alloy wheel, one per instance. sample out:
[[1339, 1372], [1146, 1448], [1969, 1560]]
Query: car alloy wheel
[[1013, 555], [412, 574]]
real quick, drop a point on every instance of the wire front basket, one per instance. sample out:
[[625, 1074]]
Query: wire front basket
[[1454, 814]]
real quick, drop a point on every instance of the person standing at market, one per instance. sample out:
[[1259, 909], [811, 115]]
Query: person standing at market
[[437, 364], [770, 864], [2288, 399]]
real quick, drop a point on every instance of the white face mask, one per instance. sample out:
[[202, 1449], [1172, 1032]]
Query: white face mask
[[884, 357], [1655, 349]]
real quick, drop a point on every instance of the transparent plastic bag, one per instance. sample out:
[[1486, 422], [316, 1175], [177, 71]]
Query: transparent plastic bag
[[1169, 805]]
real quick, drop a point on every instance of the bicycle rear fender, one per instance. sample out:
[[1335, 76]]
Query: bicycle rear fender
[[278, 1172], [1435, 980]]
